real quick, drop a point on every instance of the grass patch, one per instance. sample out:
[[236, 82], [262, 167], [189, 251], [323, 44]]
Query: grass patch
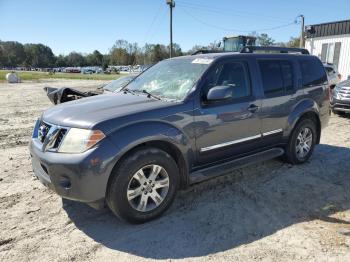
[[33, 75]]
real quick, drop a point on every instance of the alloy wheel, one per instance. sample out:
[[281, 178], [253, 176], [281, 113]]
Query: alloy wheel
[[303, 142], [148, 188]]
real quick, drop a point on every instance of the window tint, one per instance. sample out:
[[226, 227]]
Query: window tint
[[287, 74], [313, 73], [277, 76], [233, 74]]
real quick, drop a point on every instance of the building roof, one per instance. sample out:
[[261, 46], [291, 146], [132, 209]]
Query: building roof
[[328, 29]]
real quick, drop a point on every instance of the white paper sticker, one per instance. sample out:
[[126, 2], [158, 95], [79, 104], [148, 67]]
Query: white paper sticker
[[204, 61]]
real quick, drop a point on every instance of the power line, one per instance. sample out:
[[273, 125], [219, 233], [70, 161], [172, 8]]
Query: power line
[[227, 11], [233, 29], [152, 34], [152, 23]]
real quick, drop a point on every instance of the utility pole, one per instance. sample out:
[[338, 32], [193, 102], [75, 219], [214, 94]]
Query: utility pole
[[171, 4], [302, 31]]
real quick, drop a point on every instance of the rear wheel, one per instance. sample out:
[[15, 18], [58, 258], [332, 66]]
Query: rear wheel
[[143, 186], [302, 142]]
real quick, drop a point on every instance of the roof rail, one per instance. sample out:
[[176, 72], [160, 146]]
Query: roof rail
[[206, 51], [283, 50]]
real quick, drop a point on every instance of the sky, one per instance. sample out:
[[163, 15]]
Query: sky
[[86, 25]]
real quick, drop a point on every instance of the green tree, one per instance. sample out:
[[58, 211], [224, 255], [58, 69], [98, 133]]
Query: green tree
[[105, 61], [12, 54], [2, 55], [94, 59], [76, 59], [38, 55], [265, 40], [61, 61], [293, 42], [119, 56], [177, 51]]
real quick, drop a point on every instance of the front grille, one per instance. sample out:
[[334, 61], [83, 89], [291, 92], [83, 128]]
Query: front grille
[[43, 130], [51, 136], [61, 133], [344, 92]]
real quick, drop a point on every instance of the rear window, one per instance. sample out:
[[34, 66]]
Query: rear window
[[277, 76], [313, 73]]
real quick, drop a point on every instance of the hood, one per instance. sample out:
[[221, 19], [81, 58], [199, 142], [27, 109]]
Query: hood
[[87, 112]]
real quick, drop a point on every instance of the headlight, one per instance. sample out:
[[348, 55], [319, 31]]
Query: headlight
[[79, 140], [336, 92]]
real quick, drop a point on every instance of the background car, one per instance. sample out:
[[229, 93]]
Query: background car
[[340, 98], [334, 77]]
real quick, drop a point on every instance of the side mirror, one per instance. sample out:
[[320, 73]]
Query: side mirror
[[220, 93]]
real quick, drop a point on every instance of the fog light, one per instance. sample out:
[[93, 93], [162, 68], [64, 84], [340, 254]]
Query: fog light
[[65, 182]]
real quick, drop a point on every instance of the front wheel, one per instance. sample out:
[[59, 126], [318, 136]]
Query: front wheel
[[302, 142], [143, 186]]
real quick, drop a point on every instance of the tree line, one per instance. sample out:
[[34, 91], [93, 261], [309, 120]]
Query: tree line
[[15, 54]]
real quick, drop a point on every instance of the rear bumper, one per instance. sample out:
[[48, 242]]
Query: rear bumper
[[81, 177]]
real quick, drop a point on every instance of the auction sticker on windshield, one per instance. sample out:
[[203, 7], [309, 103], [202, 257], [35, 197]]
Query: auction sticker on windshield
[[204, 61]]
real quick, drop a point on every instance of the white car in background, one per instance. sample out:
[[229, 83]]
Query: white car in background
[[334, 77]]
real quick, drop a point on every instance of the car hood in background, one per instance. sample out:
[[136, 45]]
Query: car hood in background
[[87, 112]]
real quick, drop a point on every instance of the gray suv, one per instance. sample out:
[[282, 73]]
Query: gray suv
[[180, 122]]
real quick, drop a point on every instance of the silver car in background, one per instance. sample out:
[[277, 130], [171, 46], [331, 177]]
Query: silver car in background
[[334, 77]]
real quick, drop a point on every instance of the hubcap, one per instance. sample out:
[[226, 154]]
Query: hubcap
[[304, 142], [148, 188]]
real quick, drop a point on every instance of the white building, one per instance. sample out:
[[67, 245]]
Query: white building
[[331, 43]]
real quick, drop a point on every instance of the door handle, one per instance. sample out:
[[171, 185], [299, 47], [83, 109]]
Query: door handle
[[253, 108]]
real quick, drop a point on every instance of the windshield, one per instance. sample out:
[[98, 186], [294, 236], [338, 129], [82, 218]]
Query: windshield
[[171, 79], [119, 83]]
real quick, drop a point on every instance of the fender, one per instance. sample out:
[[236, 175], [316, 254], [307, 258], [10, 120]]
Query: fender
[[128, 137], [304, 106]]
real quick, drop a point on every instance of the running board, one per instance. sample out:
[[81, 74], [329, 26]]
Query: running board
[[225, 168]]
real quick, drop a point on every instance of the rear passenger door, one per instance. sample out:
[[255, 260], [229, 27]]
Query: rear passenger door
[[279, 91]]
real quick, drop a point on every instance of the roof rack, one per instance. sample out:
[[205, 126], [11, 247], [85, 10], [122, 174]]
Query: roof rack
[[282, 50], [206, 51]]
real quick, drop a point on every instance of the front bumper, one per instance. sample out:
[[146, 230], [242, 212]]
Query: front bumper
[[340, 104], [81, 177]]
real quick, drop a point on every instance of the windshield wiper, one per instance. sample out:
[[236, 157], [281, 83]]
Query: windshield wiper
[[150, 95]]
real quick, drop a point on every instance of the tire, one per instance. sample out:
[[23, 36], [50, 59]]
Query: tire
[[295, 156], [130, 194]]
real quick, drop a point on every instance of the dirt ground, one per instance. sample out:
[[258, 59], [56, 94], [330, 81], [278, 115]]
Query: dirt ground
[[266, 212]]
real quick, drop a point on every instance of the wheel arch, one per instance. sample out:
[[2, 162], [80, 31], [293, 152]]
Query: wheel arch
[[306, 109], [158, 134]]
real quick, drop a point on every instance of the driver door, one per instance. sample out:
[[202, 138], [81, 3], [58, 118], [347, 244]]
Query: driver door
[[230, 127]]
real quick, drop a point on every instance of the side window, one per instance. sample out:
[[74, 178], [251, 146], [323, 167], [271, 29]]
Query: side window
[[287, 74], [233, 74], [277, 76], [312, 73]]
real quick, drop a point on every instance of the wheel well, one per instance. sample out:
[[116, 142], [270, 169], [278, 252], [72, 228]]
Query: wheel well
[[314, 117], [172, 150]]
